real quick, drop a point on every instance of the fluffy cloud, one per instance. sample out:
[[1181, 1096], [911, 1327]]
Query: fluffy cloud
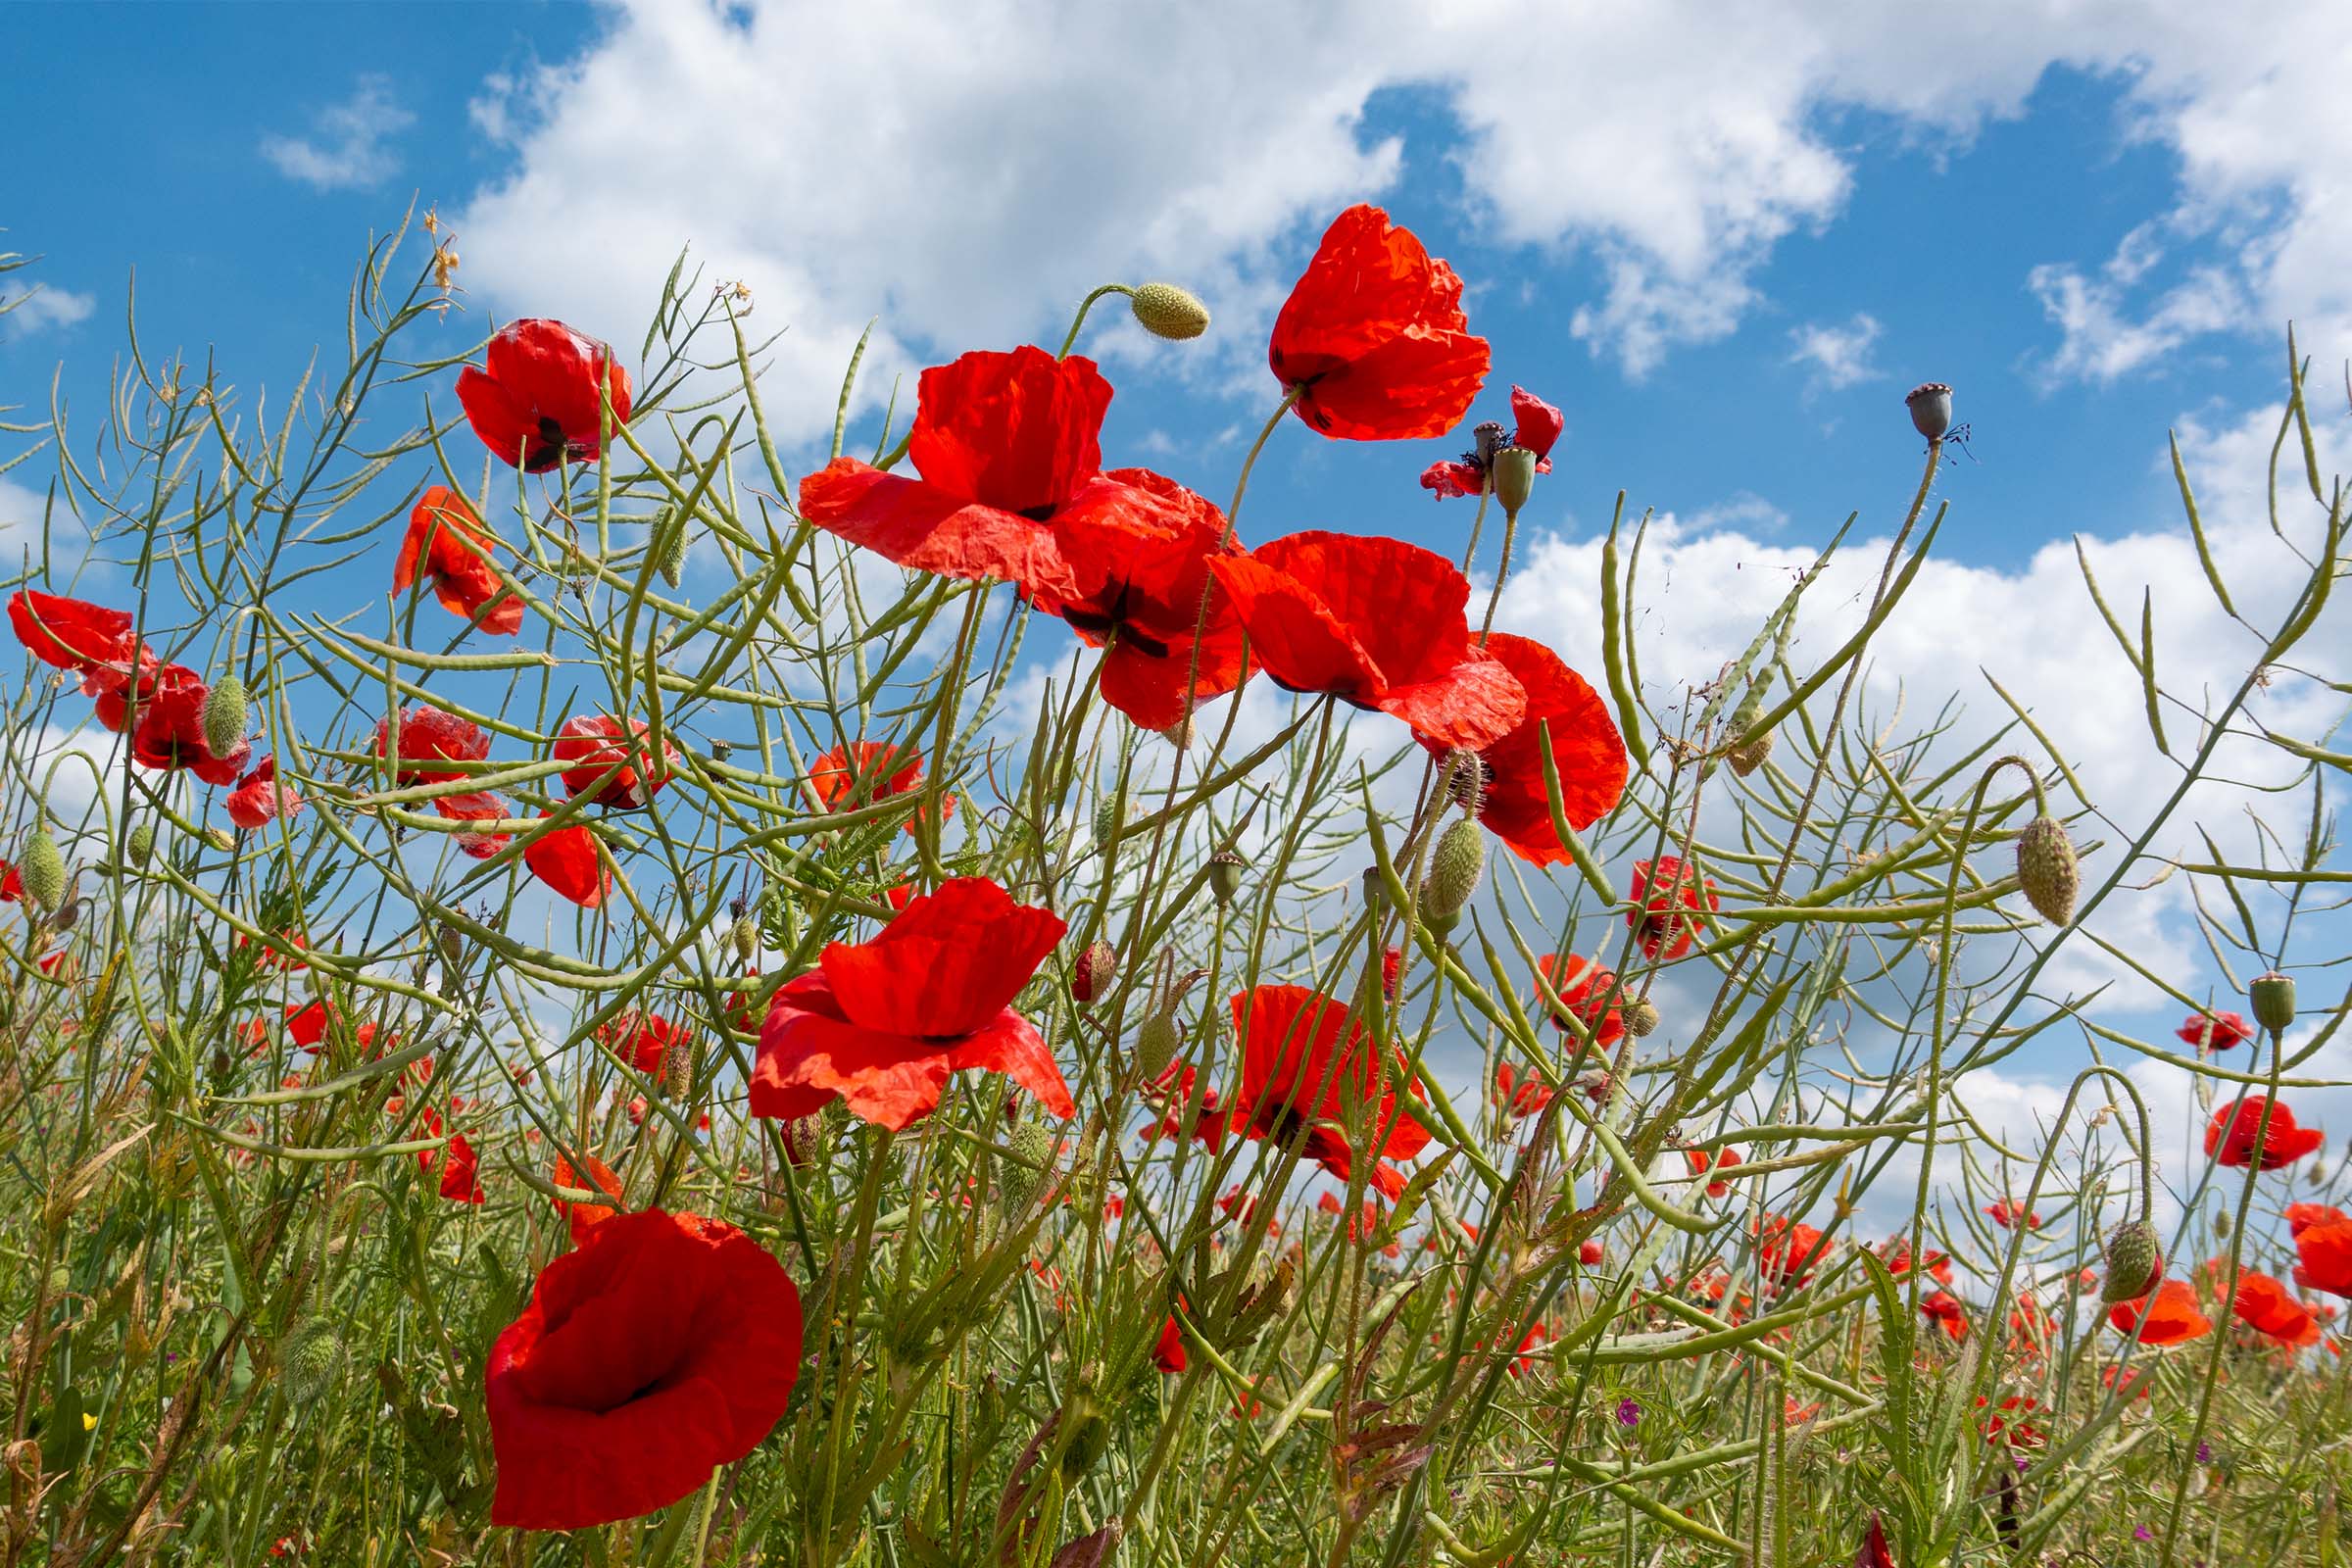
[[1836, 356], [44, 306], [348, 149]]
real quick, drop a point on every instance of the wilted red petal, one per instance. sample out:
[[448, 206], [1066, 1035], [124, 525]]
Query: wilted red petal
[[565, 859], [449, 545], [70, 633]]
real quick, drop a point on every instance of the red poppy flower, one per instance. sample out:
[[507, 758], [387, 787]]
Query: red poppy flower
[[581, 1218], [260, 799], [1306, 1068], [1168, 1354], [2230, 1137], [12, 883], [661, 1347], [2006, 1215], [2324, 1257], [1787, 1252], [1943, 1309], [541, 399], [2217, 1031], [1539, 426], [428, 736], [1519, 1095], [171, 729], [2007, 1421], [1897, 1254], [2172, 1315], [1136, 548], [1172, 1094], [1002, 442], [476, 806], [1524, 1362], [1589, 1252], [450, 546], [1377, 624], [566, 860], [881, 1025], [1373, 338], [1586, 754], [643, 1039], [2300, 1218], [70, 633], [1702, 1162], [621, 775], [460, 1167], [1663, 886], [2262, 1303], [1588, 992], [307, 1022]]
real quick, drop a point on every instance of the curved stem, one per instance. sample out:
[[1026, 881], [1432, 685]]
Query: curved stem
[[1241, 485], [1084, 305]]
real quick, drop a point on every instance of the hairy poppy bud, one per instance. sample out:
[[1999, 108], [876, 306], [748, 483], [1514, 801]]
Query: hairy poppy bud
[[1514, 478], [670, 541], [142, 843], [1180, 734], [1018, 1177], [1225, 871], [2045, 869], [310, 1361], [1156, 1041], [1091, 973], [44, 871], [1930, 406], [1641, 1017], [1454, 868], [2133, 1262], [1748, 756], [225, 717], [1167, 310], [2274, 998], [1110, 817], [745, 934], [2221, 1223]]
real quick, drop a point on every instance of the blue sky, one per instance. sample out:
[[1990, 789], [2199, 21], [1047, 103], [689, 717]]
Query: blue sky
[[1726, 244]]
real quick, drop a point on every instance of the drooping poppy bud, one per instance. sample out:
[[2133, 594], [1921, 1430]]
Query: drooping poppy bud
[[224, 713], [2221, 1223], [1930, 406], [2274, 998], [1225, 871], [1156, 1042], [44, 871], [2135, 1263], [1091, 973], [1641, 1017], [1167, 310], [2046, 871], [1454, 868]]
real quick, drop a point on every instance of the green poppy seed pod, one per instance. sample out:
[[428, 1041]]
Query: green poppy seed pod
[[1930, 406], [745, 937], [1641, 1017], [720, 750], [1091, 975], [2272, 995], [142, 843], [1019, 1178], [2045, 869], [1167, 310], [2221, 1223], [1225, 871], [1156, 1042], [1454, 868], [2133, 1262], [42, 870], [310, 1361], [669, 546], [1514, 475], [225, 717]]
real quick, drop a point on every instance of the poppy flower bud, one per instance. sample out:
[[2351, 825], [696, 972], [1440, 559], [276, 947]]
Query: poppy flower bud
[[142, 843], [1454, 868], [220, 838], [2274, 998], [1164, 310], [1225, 871], [2133, 1262], [310, 1361], [1748, 756], [1032, 1148], [1514, 478], [1156, 1042], [1930, 406], [42, 869], [1085, 1430], [1091, 973], [225, 717], [2221, 1223], [745, 934], [1641, 1017], [1180, 734], [2045, 869], [670, 541], [1110, 819]]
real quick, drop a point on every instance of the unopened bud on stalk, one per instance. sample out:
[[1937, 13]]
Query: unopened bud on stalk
[[1514, 476], [311, 1362], [220, 838], [2045, 869], [1019, 1178], [669, 546], [142, 843], [225, 717], [1180, 734], [1167, 310], [44, 871], [1225, 871], [2133, 1262], [2274, 998], [1748, 756], [2221, 1223], [1454, 868], [1641, 1017], [1156, 1042], [1930, 406], [1110, 817], [1091, 975], [745, 934]]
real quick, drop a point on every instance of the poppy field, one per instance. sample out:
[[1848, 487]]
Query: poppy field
[[580, 989]]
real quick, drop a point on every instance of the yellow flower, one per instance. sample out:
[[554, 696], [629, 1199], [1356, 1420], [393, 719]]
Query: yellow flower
[[88, 1421]]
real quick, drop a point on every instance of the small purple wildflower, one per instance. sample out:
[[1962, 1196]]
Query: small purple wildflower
[[1629, 1413], [2204, 1454], [2143, 1533]]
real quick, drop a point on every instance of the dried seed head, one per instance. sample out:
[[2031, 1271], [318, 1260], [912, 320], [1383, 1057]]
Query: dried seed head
[[1930, 406], [1091, 975], [1641, 1017], [1167, 310], [1514, 478], [1750, 755], [2046, 871], [1225, 871], [2135, 1263], [224, 712], [2272, 995], [1156, 1041], [42, 869], [1454, 869]]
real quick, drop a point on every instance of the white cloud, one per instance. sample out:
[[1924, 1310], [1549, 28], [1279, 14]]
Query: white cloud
[[1838, 357], [348, 149], [45, 305]]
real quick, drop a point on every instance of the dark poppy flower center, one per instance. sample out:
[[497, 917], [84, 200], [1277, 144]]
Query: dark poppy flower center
[[547, 447], [1111, 621]]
